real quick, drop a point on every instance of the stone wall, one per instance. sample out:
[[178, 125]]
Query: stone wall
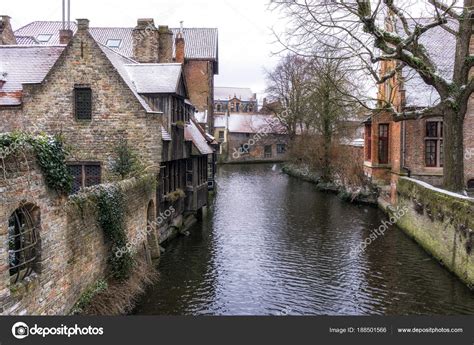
[[72, 249], [442, 223]]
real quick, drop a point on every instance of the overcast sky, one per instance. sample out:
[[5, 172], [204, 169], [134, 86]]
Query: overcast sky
[[245, 38]]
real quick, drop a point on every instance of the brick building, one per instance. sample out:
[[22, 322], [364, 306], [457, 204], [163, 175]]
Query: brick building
[[96, 98], [250, 137], [235, 101], [414, 147], [201, 50]]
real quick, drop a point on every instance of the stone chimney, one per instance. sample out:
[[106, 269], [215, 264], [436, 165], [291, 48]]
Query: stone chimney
[[180, 45], [82, 24], [166, 44], [65, 36], [146, 41], [7, 37]]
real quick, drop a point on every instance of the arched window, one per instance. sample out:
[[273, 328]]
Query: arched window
[[23, 242], [219, 107]]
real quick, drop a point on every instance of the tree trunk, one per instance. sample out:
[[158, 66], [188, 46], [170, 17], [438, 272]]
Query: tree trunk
[[453, 169]]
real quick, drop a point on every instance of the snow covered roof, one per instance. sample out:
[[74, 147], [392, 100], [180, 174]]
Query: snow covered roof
[[155, 78], [250, 123], [194, 134], [441, 46], [201, 117], [226, 93], [201, 43], [24, 65]]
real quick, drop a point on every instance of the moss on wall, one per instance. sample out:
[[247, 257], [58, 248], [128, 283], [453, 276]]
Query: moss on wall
[[442, 223]]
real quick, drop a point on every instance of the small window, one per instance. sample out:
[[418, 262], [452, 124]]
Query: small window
[[237, 107], [281, 149], [43, 38], [83, 103], [434, 154], [221, 135], [383, 143], [470, 184], [268, 151], [84, 175], [114, 43], [219, 107], [23, 242]]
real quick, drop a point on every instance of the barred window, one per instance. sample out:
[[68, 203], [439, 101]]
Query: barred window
[[83, 102], [23, 242], [84, 175]]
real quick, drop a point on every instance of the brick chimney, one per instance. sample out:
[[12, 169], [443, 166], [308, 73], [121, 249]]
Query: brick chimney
[[166, 44], [7, 37], [146, 41], [180, 45], [65, 36]]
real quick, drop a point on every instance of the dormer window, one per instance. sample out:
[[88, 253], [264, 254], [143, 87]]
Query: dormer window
[[114, 43], [44, 38]]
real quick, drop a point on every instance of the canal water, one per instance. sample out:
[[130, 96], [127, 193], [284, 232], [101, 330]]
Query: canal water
[[273, 245]]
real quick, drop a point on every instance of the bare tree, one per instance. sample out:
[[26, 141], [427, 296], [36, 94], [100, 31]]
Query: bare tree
[[288, 85], [384, 31]]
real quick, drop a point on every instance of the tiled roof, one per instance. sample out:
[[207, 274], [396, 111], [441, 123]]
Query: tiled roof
[[226, 93], [25, 40], [120, 62], [194, 134], [25, 65], [201, 43], [250, 123], [441, 47], [155, 78]]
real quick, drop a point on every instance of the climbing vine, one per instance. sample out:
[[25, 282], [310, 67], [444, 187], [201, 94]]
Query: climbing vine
[[111, 208], [50, 154]]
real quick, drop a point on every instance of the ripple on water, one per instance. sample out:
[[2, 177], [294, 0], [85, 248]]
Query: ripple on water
[[274, 245]]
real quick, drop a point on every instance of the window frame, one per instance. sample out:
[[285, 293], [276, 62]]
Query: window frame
[[78, 89], [26, 257], [383, 144], [279, 149], [120, 41], [84, 178], [267, 154], [437, 139]]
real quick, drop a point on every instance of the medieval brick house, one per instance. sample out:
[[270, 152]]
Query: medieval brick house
[[95, 97], [197, 49], [414, 147]]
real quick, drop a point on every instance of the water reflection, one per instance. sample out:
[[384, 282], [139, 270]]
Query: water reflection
[[272, 245]]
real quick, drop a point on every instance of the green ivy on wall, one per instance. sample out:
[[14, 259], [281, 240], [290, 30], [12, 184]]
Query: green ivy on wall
[[50, 154]]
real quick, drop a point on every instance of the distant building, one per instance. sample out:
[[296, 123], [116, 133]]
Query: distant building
[[234, 100], [250, 137]]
